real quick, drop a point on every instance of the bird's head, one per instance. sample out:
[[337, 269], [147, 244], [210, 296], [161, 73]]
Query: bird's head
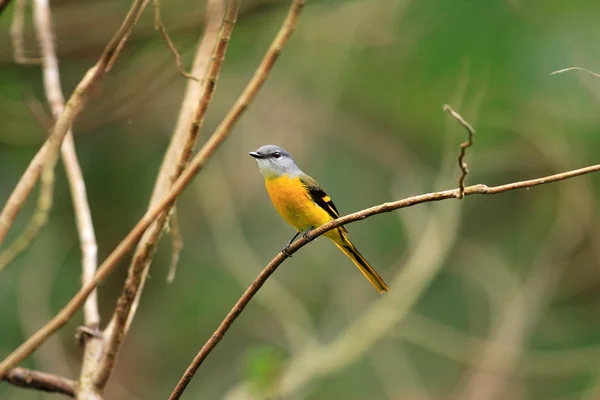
[[274, 161]]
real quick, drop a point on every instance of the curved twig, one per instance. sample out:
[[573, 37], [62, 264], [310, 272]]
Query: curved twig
[[239, 306], [463, 148]]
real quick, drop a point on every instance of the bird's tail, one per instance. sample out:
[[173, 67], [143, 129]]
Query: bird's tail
[[348, 248]]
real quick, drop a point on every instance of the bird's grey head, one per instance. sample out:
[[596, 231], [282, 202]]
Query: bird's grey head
[[274, 161]]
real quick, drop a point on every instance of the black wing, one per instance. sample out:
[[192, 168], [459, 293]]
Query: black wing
[[318, 195]]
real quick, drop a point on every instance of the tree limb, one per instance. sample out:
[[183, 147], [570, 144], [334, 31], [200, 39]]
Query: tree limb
[[241, 304], [72, 110], [83, 215], [37, 380], [117, 329]]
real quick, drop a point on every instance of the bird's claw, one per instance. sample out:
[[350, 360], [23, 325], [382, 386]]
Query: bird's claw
[[305, 235], [286, 251]]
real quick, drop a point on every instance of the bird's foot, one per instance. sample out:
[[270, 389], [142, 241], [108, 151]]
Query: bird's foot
[[305, 235], [286, 250]]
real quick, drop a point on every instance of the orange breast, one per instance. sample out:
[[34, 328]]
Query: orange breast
[[293, 203]]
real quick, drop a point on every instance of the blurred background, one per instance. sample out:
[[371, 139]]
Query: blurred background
[[492, 297]]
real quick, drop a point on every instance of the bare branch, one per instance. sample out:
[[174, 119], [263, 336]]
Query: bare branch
[[215, 12], [197, 163], [37, 380], [587, 71], [177, 245], [72, 110], [38, 219], [119, 325], [158, 24], [17, 34], [83, 216], [239, 306], [463, 148]]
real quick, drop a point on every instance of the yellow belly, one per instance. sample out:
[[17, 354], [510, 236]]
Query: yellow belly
[[293, 203]]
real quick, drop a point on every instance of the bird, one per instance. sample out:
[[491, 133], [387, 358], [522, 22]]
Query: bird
[[302, 203]]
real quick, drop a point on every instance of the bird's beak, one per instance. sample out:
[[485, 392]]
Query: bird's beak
[[255, 154]]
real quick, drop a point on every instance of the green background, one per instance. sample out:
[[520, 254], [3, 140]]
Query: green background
[[492, 297]]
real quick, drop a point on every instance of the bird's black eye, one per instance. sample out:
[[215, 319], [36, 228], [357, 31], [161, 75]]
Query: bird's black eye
[[276, 154]]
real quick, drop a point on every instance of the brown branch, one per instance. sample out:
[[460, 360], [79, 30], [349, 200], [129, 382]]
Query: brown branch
[[215, 12], [30, 379], [83, 215], [38, 219], [72, 110], [587, 71], [158, 24], [198, 162], [239, 306], [463, 148], [16, 34], [118, 327]]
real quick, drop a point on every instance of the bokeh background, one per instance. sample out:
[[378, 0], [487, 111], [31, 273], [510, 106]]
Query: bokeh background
[[492, 297]]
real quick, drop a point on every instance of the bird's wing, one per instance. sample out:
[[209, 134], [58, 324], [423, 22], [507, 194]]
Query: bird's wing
[[318, 195]]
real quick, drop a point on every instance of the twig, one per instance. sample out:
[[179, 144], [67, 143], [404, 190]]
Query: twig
[[38, 219], [37, 380], [83, 215], [16, 34], [463, 148], [177, 245], [3, 5], [198, 162], [161, 27], [587, 71], [72, 110], [237, 309], [118, 327], [215, 12]]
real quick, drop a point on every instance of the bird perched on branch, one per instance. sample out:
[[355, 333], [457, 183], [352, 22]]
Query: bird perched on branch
[[302, 203]]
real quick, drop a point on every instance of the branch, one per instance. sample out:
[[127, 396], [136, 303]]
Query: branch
[[237, 309], [587, 71], [119, 325], [72, 110], [198, 162], [176, 245], [463, 148], [16, 34], [38, 219], [30, 379], [83, 215], [161, 27]]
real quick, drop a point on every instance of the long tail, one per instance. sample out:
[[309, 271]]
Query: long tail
[[348, 248]]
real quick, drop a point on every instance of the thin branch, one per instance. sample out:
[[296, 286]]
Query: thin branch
[[176, 244], [72, 110], [463, 148], [587, 71], [17, 34], [197, 163], [215, 12], [83, 215], [158, 24], [54, 94], [37, 380], [118, 327], [237, 309], [38, 219]]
